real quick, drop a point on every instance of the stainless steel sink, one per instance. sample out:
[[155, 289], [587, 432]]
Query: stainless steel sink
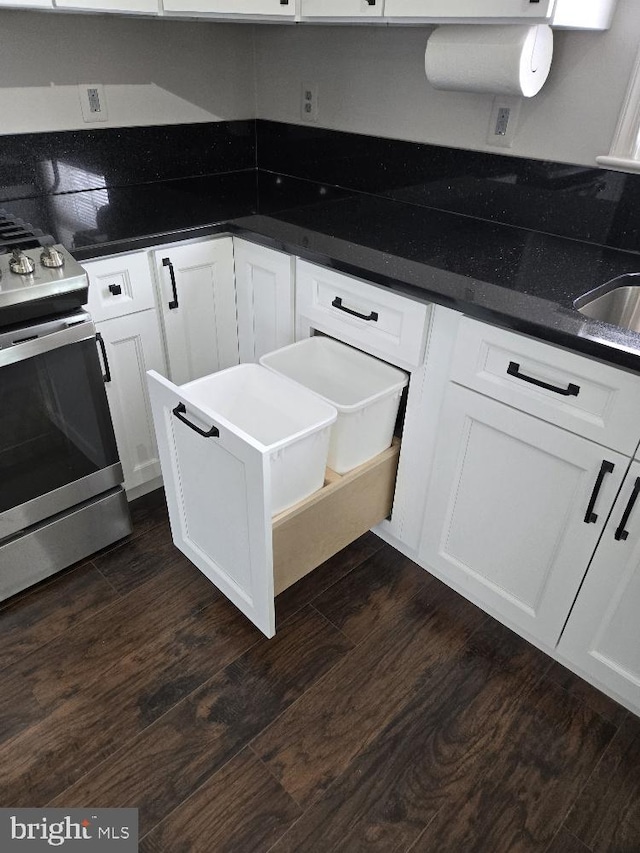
[[616, 302]]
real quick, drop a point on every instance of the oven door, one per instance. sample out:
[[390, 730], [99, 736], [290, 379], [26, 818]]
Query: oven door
[[57, 446]]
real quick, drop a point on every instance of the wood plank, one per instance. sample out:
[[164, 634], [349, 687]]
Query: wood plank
[[169, 760], [430, 753], [85, 653], [306, 535], [607, 814], [29, 621], [312, 742], [333, 570], [99, 718], [242, 808], [597, 701], [566, 842], [372, 593], [530, 776]]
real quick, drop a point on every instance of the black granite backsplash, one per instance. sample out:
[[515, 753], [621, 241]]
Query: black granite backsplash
[[44, 164], [589, 204]]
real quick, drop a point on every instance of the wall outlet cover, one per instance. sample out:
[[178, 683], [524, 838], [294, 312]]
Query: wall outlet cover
[[503, 121], [309, 102], [93, 102]]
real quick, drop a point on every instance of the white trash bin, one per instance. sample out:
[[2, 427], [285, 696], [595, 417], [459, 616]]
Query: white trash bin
[[365, 391], [290, 424]]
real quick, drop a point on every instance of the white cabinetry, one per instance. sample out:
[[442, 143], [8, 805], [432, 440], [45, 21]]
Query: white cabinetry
[[602, 636], [352, 10], [196, 297], [126, 7], [571, 14], [26, 4], [505, 521], [269, 9], [121, 301], [265, 298]]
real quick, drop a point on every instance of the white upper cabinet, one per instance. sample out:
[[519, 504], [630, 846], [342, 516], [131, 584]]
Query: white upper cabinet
[[354, 10], [26, 4], [571, 14], [124, 7], [275, 9]]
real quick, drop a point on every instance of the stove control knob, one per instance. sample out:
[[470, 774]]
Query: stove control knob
[[21, 263], [51, 257]]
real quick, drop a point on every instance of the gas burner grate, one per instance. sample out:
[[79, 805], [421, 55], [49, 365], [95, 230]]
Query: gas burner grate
[[17, 234]]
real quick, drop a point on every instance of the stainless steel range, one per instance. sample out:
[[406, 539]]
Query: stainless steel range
[[61, 496]]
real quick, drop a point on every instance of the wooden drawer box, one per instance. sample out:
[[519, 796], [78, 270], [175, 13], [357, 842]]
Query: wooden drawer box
[[580, 394]]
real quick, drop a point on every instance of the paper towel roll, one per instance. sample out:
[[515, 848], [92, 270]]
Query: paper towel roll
[[504, 60]]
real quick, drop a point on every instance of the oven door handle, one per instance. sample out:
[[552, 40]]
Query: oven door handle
[[21, 350]]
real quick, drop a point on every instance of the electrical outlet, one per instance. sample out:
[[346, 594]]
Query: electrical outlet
[[504, 121], [309, 102], [93, 102]]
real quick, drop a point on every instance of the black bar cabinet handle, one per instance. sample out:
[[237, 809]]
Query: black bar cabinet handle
[[179, 412], [166, 262], [621, 532], [115, 289], [106, 376], [337, 303], [570, 391], [606, 468]]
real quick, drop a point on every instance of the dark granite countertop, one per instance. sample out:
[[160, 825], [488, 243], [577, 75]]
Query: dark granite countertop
[[518, 278]]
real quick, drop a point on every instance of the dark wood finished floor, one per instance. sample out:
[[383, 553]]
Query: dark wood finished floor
[[388, 714]]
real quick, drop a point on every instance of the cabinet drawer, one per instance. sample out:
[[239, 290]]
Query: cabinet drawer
[[119, 285], [383, 323], [217, 480], [577, 393]]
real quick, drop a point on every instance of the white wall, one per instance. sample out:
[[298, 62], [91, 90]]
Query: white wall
[[154, 71], [372, 81]]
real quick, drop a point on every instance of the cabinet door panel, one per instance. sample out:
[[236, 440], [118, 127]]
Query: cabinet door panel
[[147, 7], [470, 10], [119, 285], [264, 292], [133, 346], [217, 492], [201, 331], [256, 8], [602, 636], [353, 9], [505, 517]]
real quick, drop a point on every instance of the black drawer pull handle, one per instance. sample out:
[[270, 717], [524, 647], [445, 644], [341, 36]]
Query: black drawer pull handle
[[337, 303], [179, 412], [115, 289], [106, 376], [606, 468], [570, 391], [166, 262], [622, 534]]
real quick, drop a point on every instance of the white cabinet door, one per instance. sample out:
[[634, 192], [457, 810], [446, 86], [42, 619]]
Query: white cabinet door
[[264, 295], [602, 636], [198, 305], [137, 7], [26, 4], [507, 507], [470, 11], [350, 9], [217, 491], [285, 9], [133, 346]]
